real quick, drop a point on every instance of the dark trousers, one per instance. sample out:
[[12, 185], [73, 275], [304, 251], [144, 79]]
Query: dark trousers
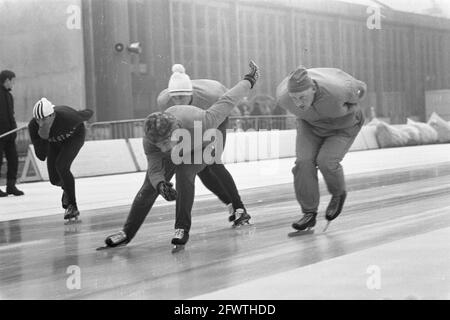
[[8, 147], [215, 177], [59, 160], [185, 185], [219, 181]]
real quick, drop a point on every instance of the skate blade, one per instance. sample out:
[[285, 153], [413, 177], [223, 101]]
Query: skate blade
[[108, 247], [300, 233], [326, 227], [240, 225], [177, 248], [72, 221]]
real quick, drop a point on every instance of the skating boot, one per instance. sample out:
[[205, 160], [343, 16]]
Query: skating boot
[[239, 217], [334, 208], [180, 238], [71, 214], [115, 240], [65, 200], [12, 189], [305, 225]]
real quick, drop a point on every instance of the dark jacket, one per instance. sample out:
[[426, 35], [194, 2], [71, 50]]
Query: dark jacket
[[67, 123], [7, 121]]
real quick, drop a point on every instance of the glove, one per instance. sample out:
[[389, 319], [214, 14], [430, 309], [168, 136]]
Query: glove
[[253, 75], [167, 191], [86, 114]]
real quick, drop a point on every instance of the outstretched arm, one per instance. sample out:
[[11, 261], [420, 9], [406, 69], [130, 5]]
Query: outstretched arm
[[220, 110]]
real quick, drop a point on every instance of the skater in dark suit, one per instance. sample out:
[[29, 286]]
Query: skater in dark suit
[[329, 117], [203, 93], [58, 133], [8, 123], [159, 128]]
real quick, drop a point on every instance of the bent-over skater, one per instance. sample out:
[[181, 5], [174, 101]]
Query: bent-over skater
[[203, 93], [329, 117], [58, 133], [159, 127]]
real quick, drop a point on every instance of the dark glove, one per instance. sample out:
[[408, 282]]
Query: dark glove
[[253, 75], [86, 114], [167, 191]]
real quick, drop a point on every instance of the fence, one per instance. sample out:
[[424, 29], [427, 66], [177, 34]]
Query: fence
[[127, 129], [134, 128]]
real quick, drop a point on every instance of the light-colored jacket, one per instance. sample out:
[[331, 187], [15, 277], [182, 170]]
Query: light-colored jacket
[[210, 118], [336, 102], [205, 92]]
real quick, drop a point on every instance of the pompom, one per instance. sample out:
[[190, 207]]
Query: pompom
[[178, 68]]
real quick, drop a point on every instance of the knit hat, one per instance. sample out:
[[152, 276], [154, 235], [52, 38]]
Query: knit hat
[[179, 84], [43, 108], [299, 80], [159, 126]]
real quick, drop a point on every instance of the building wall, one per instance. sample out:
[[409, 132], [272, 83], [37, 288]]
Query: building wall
[[216, 38], [398, 62], [42, 42]]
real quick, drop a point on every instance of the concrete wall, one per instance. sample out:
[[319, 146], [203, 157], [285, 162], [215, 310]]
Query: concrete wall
[[42, 42]]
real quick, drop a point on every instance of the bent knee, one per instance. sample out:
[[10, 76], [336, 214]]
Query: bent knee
[[326, 163]]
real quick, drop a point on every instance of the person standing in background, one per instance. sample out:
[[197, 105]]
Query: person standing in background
[[8, 143]]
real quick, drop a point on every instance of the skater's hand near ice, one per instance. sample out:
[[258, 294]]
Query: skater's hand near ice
[[167, 191], [253, 75]]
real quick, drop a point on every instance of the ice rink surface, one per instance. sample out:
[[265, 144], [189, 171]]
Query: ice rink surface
[[391, 241]]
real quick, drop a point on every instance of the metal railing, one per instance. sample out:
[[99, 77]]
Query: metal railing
[[262, 123], [126, 129], [121, 129]]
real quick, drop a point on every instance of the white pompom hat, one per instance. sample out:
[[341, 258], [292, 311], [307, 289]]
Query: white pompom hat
[[43, 108], [179, 84]]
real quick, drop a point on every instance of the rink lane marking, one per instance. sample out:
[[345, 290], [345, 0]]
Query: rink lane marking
[[23, 244]]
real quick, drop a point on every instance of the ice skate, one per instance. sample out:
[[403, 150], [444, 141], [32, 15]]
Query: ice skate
[[71, 214], [115, 240], [179, 240], [334, 208], [305, 225], [240, 217]]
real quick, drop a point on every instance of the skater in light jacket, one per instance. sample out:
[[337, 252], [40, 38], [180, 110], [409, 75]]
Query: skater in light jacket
[[326, 104]]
